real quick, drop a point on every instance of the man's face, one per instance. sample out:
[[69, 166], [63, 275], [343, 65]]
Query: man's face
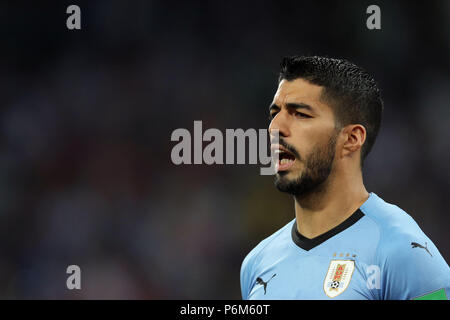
[[307, 137]]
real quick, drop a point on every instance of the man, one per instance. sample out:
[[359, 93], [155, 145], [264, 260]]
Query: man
[[344, 243]]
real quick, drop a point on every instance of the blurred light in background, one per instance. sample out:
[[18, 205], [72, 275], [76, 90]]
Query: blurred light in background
[[86, 118]]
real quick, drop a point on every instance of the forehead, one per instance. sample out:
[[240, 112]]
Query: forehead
[[298, 90]]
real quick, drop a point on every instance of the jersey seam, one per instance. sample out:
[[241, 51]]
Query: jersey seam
[[381, 237]]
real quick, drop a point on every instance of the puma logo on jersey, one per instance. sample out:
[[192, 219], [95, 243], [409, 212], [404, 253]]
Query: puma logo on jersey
[[264, 283], [418, 245]]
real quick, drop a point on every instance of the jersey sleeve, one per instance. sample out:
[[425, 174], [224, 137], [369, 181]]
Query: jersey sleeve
[[413, 268]]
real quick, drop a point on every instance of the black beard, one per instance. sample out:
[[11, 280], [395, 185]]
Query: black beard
[[317, 169]]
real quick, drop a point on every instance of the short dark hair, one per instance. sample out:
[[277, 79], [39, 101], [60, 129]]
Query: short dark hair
[[350, 91]]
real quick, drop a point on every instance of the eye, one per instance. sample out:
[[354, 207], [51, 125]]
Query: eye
[[272, 115], [302, 115]]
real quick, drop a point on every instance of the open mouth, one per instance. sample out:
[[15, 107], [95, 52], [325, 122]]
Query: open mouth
[[285, 158]]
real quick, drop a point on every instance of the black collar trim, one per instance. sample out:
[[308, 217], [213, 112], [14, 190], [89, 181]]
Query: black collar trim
[[308, 244]]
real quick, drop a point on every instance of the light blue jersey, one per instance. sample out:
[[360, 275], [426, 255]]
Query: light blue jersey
[[378, 253]]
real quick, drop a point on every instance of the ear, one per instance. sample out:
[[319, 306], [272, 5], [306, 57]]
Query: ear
[[354, 137]]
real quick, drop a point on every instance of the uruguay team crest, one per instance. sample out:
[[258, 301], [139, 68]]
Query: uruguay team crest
[[338, 277]]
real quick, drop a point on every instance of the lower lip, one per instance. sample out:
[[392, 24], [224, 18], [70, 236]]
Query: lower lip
[[284, 166]]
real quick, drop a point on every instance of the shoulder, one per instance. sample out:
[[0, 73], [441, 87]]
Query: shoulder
[[396, 227], [253, 259], [255, 253], [402, 244], [409, 261]]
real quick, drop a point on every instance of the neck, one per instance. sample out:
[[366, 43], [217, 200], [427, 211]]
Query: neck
[[338, 198]]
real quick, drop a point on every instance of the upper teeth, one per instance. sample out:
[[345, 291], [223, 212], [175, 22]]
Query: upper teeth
[[284, 161]]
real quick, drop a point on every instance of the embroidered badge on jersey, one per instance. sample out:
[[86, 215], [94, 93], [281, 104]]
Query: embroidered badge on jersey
[[338, 277]]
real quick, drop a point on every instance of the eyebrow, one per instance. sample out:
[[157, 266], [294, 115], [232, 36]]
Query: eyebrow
[[274, 106], [293, 105]]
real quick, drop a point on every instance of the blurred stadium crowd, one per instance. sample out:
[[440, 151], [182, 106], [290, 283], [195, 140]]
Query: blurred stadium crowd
[[86, 118]]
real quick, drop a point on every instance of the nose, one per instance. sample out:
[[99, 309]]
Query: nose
[[281, 123]]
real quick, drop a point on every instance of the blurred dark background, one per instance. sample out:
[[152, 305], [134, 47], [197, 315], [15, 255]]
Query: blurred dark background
[[86, 119]]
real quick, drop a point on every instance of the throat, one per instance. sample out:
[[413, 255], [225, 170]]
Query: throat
[[318, 215]]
